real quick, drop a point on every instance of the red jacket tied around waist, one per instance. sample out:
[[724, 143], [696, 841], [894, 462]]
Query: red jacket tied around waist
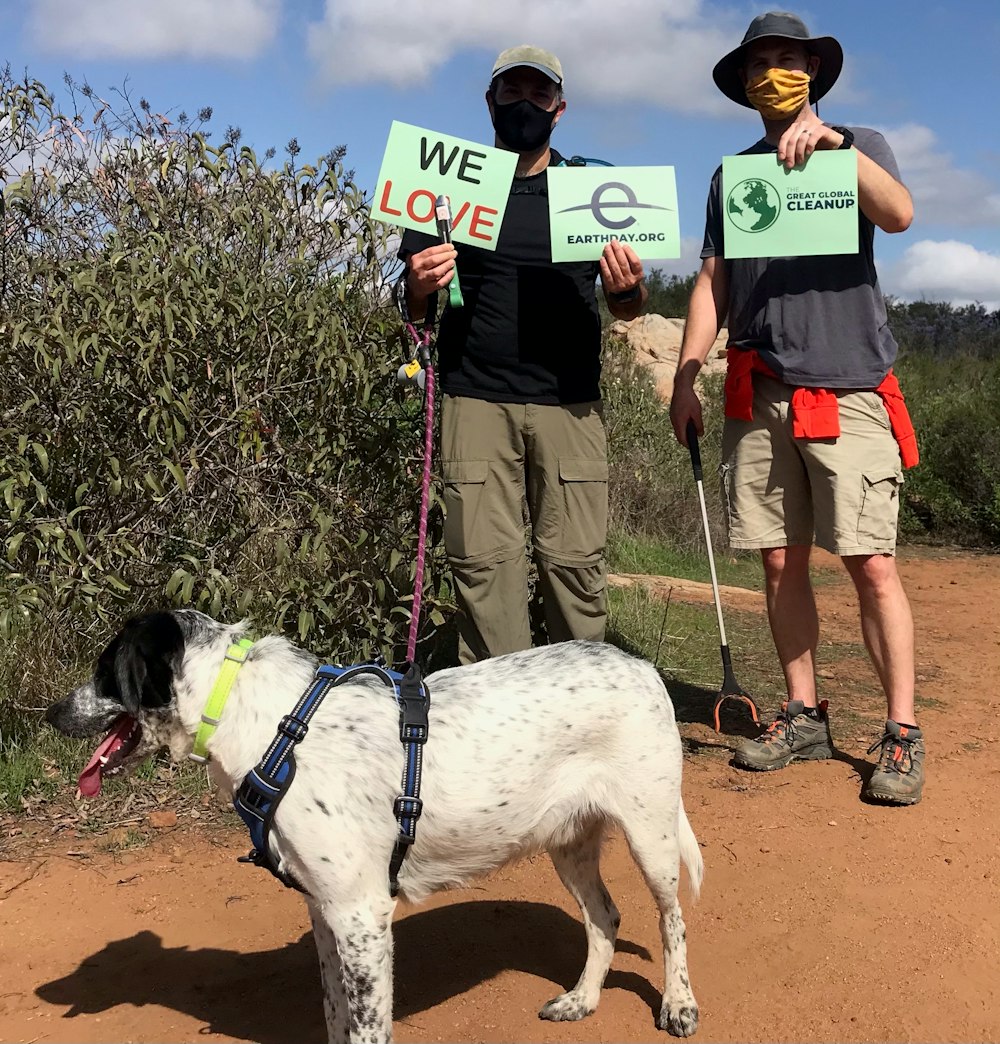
[[815, 411]]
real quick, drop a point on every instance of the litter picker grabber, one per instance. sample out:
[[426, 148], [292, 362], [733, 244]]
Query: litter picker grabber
[[731, 688], [442, 215]]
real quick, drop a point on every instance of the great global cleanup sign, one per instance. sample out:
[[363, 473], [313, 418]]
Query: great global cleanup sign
[[590, 206], [768, 211], [420, 165]]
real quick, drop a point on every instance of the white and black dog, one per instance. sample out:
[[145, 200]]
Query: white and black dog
[[536, 750]]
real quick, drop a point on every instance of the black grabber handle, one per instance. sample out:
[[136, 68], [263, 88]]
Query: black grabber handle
[[692, 437]]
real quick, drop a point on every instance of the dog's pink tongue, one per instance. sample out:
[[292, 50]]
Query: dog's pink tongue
[[89, 783]]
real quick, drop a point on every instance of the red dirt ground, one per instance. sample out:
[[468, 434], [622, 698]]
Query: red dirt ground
[[822, 918]]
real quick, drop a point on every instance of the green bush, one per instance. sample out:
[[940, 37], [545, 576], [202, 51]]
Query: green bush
[[954, 493], [197, 394], [651, 486], [669, 295]]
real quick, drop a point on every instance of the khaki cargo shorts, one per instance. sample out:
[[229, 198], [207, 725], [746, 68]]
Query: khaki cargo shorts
[[841, 494]]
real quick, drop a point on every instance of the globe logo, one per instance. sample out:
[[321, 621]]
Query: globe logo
[[753, 205]]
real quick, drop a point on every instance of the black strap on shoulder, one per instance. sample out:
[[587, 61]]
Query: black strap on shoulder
[[583, 161]]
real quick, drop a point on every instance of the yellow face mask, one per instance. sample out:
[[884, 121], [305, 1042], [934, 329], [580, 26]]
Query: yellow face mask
[[779, 93]]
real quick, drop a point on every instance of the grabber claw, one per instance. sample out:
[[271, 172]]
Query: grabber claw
[[747, 699], [732, 690]]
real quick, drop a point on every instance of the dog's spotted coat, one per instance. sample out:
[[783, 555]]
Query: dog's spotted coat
[[538, 750]]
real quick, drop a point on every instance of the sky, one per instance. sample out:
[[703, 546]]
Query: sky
[[638, 87]]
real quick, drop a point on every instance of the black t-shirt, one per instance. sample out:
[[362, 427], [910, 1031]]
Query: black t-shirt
[[530, 330]]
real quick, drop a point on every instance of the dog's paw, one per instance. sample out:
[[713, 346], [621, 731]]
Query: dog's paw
[[681, 1022], [567, 1007]]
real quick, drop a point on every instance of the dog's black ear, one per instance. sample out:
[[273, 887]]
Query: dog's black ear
[[149, 649], [130, 675]]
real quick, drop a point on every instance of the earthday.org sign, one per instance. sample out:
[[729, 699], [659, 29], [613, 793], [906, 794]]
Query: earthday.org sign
[[768, 211], [420, 165], [590, 206]]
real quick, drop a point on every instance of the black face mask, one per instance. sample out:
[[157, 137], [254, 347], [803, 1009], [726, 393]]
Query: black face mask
[[522, 125]]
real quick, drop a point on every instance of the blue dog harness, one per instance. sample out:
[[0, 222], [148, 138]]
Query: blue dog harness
[[261, 791]]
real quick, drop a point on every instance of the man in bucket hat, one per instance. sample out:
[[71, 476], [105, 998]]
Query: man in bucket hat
[[816, 432], [520, 363]]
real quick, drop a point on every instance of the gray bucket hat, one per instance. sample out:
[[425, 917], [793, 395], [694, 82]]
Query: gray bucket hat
[[789, 27]]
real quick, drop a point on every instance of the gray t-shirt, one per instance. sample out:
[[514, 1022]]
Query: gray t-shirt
[[818, 321]]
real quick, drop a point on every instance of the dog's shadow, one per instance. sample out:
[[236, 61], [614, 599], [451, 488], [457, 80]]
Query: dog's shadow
[[273, 996]]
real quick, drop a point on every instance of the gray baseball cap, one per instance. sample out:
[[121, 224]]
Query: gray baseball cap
[[533, 58]]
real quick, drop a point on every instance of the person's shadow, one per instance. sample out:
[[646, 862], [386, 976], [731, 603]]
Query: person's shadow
[[273, 996]]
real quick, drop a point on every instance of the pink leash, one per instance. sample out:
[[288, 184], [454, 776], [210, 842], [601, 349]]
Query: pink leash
[[442, 215], [423, 350]]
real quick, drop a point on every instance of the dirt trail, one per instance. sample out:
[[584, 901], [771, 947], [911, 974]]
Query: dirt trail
[[822, 918]]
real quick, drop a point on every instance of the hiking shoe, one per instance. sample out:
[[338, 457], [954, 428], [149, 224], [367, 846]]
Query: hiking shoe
[[792, 736], [898, 778]]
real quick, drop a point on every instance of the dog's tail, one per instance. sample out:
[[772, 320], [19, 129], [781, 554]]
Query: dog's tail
[[690, 852]]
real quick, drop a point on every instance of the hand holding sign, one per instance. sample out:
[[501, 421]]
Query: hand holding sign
[[621, 269], [804, 137]]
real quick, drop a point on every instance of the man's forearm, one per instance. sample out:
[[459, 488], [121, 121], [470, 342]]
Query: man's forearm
[[883, 200], [705, 316]]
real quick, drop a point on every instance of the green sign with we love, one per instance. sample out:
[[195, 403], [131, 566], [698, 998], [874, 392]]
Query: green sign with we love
[[420, 165], [768, 211]]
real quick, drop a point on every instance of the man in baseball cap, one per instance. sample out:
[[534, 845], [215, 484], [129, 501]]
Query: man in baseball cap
[[816, 433], [520, 367], [525, 56]]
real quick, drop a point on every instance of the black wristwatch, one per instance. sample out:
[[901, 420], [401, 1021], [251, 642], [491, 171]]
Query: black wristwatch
[[847, 134], [624, 296]]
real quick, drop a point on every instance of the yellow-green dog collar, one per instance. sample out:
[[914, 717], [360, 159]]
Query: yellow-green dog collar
[[211, 716]]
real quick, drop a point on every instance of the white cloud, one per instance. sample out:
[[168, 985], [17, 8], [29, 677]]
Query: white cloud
[[946, 271], [154, 28], [942, 193], [637, 50]]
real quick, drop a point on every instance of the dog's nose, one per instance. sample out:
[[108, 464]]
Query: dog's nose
[[52, 712]]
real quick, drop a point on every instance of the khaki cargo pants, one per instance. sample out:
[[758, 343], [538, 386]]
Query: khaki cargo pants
[[507, 464]]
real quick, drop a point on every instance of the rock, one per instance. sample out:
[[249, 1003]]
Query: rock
[[163, 819], [656, 342]]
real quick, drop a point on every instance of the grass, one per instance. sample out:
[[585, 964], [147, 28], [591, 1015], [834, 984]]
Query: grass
[[682, 640], [635, 554], [121, 839], [38, 768]]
